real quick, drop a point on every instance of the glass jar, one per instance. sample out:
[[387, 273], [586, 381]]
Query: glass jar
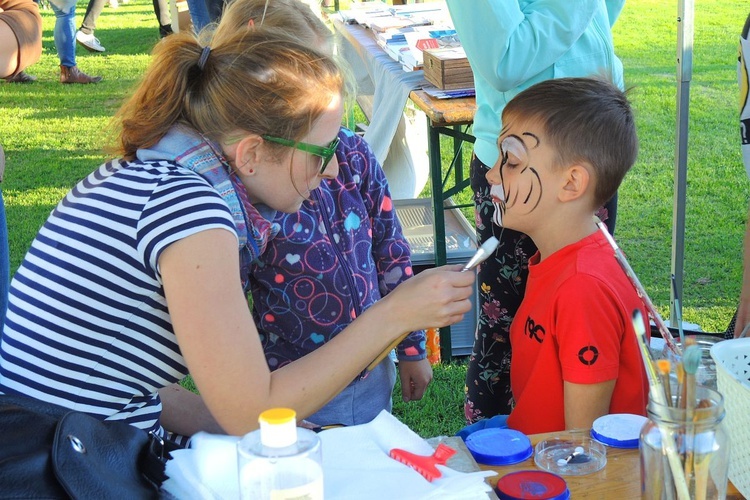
[[706, 374], [684, 457], [280, 461]]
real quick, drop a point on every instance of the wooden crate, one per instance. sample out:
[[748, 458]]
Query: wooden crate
[[448, 68]]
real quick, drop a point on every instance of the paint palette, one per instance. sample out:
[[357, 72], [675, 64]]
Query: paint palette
[[573, 453]]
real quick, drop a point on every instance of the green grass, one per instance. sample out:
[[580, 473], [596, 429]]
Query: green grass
[[53, 136]]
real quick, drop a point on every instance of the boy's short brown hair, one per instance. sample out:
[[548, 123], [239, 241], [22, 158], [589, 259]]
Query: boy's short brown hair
[[586, 120]]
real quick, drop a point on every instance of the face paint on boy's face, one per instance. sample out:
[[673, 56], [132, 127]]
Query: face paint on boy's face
[[520, 187]]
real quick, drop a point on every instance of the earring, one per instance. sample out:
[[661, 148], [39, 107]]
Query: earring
[[250, 171]]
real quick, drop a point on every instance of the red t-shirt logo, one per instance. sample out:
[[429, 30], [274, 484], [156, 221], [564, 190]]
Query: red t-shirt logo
[[534, 331], [588, 355]]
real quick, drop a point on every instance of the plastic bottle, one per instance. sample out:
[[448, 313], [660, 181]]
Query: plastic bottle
[[280, 461]]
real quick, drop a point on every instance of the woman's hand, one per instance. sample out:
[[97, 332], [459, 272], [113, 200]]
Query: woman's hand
[[432, 299]]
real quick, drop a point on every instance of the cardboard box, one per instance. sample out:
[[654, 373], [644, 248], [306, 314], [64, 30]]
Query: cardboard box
[[180, 13], [448, 68], [416, 220]]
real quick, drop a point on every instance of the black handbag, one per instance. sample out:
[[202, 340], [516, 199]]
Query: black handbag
[[47, 451]]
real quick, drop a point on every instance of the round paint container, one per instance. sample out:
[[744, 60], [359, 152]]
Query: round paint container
[[532, 484], [618, 430], [570, 453], [499, 446]]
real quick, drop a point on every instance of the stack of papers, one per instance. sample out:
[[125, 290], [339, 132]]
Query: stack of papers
[[437, 93], [403, 31], [405, 45]]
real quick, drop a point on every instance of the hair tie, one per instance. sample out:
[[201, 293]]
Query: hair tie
[[204, 57]]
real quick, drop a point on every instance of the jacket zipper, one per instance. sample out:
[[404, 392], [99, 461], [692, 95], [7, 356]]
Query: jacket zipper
[[323, 211]]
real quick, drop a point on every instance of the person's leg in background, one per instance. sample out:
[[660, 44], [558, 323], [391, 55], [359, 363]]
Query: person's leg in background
[[85, 34], [64, 35], [214, 8], [198, 14], [161, 9], [501, 280]]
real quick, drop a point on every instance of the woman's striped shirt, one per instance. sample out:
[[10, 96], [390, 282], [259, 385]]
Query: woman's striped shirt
[[87, 325]]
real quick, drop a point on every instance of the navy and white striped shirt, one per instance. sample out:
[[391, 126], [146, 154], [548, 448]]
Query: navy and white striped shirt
[[87, 324]]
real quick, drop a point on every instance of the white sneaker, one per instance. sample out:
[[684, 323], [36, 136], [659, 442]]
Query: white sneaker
[[89, 42], [113, 4]]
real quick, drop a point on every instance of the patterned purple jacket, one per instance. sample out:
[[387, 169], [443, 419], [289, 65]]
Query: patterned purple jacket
[[330, 261]]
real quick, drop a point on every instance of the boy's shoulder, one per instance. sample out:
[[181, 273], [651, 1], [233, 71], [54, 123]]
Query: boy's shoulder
[[596, 268]]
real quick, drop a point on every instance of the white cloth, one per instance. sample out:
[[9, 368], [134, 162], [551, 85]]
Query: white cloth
[[355, 465]]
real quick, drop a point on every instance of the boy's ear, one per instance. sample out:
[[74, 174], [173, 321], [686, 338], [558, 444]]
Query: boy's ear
[[576, 180], [248, 154]]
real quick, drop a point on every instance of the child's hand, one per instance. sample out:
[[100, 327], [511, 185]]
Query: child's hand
[[415, 377]]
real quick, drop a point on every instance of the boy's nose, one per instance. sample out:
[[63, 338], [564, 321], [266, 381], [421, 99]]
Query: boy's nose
[[493, 174]]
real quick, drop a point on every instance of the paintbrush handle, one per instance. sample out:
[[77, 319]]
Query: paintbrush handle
[[620, 258], [667, 387], [385, 353], [689, 416]]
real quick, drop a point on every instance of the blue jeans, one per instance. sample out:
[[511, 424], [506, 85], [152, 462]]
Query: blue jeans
[[65, 35], [214, 8], [362, 400], [4, 262], [198, 14]]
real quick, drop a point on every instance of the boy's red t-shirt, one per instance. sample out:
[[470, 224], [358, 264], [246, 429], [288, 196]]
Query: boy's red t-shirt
[[575, 324]]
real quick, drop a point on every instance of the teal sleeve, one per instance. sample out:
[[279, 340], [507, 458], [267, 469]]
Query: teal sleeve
[[614, 7], [509, 42]]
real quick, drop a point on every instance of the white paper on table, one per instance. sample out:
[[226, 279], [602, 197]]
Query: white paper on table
[[355, 465], [207, 470]]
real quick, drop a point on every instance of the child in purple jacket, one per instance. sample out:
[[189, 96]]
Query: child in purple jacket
[[329, 262]]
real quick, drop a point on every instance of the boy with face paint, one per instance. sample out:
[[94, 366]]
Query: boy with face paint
[[565, 146]]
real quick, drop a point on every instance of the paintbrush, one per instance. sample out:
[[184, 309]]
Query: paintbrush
[[484, 251], [660, 397], [664, 367], [620, 257], [701, 461], [487, 249], [691, 359], [681, 396], [678, 312]]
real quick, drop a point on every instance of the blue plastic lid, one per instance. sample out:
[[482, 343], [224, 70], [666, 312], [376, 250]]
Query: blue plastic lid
[[532, 484], [618, 430], [499, 446]]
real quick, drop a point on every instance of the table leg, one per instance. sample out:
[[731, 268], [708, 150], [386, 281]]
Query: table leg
[[438, 214]]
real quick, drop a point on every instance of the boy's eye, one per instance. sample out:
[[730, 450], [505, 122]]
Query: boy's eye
[[510, 161], [513, 152]]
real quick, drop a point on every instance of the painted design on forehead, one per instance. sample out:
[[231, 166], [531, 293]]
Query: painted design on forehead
[[519, 179]]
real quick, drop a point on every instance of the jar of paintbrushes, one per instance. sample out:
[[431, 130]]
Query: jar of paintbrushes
[[684, 448], [683, 445]]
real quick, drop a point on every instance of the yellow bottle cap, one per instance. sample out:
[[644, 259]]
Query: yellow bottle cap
[[278, 416], [278, 427]]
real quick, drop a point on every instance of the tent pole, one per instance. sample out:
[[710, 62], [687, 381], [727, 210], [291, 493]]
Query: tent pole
[[685, 9]]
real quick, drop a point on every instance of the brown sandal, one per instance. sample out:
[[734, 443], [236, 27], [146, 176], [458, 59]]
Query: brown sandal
[[75, 75], [21, 77]]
